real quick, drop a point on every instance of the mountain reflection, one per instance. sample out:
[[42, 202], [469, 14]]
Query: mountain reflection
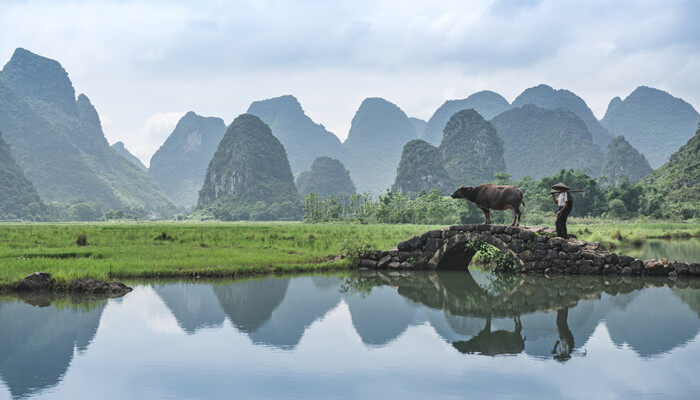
[[37, 342], [472, 312]]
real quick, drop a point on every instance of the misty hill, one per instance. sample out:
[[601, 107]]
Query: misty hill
[[418, 125], [653, 121], [58, 142], [249, 166], [471, 150], [678, 181], [18, 199], [327, 177], [623, 160], [546, 97], [539, 142], [303, 139], [180, 164], [119, 148], [377, 135], [421, 169], [487, 103]]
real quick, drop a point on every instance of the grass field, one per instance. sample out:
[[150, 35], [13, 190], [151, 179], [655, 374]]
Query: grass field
[[120, 250], [181, 249]]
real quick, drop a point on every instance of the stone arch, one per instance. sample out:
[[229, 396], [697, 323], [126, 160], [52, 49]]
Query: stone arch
[[452, 253]]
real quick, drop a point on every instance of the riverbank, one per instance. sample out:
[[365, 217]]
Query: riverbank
[[184, 250], [157, 249]]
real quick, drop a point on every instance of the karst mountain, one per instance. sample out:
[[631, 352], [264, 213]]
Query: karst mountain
[[538, 142], [545, 96], [303, 139], [58, 143], [653, 121], [377, 135], [180, 164], [487, 103], [623, 161]]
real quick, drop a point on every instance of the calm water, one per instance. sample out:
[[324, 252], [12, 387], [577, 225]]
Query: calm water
[[420, 335], [678, 250]]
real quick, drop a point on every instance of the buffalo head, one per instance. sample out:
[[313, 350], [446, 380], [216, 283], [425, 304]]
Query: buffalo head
[[462, 192]]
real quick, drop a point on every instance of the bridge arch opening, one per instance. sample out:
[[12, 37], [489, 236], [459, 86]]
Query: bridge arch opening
[[458, 251]]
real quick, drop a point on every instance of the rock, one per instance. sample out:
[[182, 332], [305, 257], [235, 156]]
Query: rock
[[370, 264], [410, 244], [437, 233], [570, 247], [527, 256], [551, 255], [384, 262], [526, 235], [556, 242], [624, 260], [611, 258], [448, 234], [394, 265], [511, 230], [498, 229], [38, 281], [406, 265], [483, 228], [504, 237], [552, 271], [403, 256], [433, 244], [93, 286], [591, 246], [517, 247]]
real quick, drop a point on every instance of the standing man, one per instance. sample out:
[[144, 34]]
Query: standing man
[[564, 203]]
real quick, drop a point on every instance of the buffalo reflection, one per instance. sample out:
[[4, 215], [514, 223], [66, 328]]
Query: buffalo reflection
[[473, 312]]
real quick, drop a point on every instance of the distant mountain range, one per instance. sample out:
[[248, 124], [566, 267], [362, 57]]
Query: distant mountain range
[[653, 121], [58, 142], [54, 140]]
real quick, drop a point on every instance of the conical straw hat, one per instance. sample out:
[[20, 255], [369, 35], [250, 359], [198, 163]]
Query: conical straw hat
[[560, 186]]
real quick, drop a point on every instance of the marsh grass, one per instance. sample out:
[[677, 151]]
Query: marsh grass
[[148, 250]]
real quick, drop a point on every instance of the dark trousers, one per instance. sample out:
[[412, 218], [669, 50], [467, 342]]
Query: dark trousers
[[561, 221]]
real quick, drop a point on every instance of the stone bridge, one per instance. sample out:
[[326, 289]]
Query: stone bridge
[[531, 248]]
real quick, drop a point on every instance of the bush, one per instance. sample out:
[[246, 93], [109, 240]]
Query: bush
[[617, 209], [355, 250]]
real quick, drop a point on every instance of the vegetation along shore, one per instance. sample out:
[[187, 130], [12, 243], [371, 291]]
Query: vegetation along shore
[[115, 250]]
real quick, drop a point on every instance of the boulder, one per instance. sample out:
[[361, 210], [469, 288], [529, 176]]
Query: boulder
[[38, 281], [93, 286]]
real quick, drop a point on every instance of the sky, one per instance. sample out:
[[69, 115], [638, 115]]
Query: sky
[[143, 64]]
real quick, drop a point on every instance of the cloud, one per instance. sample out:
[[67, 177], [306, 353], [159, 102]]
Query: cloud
[[137, 59]]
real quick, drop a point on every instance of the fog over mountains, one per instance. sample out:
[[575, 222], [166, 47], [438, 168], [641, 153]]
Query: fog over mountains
[[56, 142]]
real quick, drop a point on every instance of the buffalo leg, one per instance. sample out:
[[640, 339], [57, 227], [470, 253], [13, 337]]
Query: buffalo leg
[[516, 216], [487, 216]]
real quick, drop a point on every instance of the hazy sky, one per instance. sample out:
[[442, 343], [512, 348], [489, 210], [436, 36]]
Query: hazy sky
[[145, 63]]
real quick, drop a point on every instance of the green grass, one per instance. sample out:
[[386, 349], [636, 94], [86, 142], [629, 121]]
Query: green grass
[[617, 234], [131, 250], [209, 249]]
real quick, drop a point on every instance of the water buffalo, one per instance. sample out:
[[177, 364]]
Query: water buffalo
[[495, 197]]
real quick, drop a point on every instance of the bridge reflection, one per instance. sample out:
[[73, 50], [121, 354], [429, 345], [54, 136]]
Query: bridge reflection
[[473, 312]]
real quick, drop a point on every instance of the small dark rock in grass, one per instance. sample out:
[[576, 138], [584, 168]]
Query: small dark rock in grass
[[164, 236], [82, 240]]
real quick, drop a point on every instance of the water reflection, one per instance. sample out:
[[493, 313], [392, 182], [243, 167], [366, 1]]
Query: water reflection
[[475, 314], [37, 342]]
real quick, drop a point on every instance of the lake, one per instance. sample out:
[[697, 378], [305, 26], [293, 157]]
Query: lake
[[360, 335]]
